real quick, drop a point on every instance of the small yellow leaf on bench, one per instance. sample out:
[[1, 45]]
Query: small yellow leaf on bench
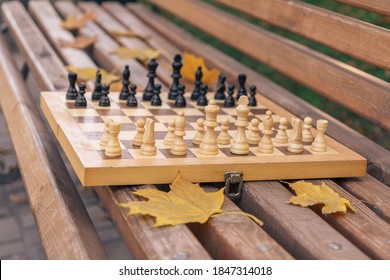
[[308, 194], [130, 53], [75, 22], [191, 64], [89, 74], [127, 34], [80, 42]]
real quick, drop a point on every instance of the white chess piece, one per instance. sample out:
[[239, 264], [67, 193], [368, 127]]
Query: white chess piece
[[266, 146], [319, 143], [253, 136], [199, 132], [224, 137], [170, 136], [282, 137], [148, 147], [179, 147], [307, 136], [113, 147], [138, 137], [106, 135], [209, 145], [295, 142], [240, 144]]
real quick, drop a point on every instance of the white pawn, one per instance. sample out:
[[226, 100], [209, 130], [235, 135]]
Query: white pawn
[[295, 142], [138, 137], [170, 137], [199, 132], [266, 146], [254, 137], [106, 135], [179, 147], [307, 136], [224, 137], [282, 137], [209, 145], [113, 147], [148, 147], [240, 144], [319, 143]]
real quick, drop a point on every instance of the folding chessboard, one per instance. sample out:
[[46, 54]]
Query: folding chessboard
[[79, 130]]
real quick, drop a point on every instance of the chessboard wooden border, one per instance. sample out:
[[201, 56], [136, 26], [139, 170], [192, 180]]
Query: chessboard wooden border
[[93, 171]]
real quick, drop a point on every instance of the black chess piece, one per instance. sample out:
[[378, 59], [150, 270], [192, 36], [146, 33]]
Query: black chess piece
[[80, 99], [132, 100], [176, 66], [252, 98], [202, 100], [241, 86], [229, 101], [180, 100], [124, 94], [198, 82], [221, 87], [72, 91], [97, 91], [104, 100], [148, 92], [156, 100]]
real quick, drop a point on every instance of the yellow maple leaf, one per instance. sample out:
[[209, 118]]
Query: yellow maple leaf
[[80, 42], [75, 22], [184, 203], [308, 194], [131, 53], [128, 34], [191, 64], [89, 74]]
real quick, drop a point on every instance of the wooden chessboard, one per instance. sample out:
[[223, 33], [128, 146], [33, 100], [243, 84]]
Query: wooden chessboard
[[79, 130]]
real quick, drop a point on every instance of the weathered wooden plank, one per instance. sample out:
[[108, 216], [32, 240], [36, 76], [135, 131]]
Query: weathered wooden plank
[[143, 240], [378, 157], [378, 6], [103, 46], [353, 37], [64, 226], [50, 71], [356, 90], [299, 230]]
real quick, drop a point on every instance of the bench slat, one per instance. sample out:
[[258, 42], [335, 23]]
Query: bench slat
[[344, 84], [378, 157], [301, 231], [353, 37], [60, 214], [378, 6]]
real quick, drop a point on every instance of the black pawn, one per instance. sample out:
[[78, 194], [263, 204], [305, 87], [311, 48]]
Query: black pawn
[[156, 100], [176, 66], [241, 86], [229, 101], [252, 98], [202, 100], [180, 100], [72, 91], [148, 92], [124, 94], [132, 100], [198, 82], [80, 100], [221, 87], [104, 100], [97, 91]]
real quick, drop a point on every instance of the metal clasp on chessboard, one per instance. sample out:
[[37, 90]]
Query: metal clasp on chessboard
[[233, 184]]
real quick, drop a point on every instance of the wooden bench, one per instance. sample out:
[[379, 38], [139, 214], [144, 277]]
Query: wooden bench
[[289, 231]]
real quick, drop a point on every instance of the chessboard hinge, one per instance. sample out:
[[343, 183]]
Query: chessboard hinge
[[233, 184]]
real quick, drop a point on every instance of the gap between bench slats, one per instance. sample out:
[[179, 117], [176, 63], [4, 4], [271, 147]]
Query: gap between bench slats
[[353, 37], [378, 6], [354, 89]]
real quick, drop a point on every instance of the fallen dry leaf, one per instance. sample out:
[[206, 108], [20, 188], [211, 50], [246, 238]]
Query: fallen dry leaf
[[308, 194], [130, 53], [89, 74], [128, 34], [75, 22], [184, 203], [191, 64], [80, 42]]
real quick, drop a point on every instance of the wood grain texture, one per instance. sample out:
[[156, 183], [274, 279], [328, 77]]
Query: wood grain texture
[[378, 157], [143, 240], [378, 6], [350, 36], [237, 237], [64, 226], [299, 230], [41, 58], [356, 90]]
